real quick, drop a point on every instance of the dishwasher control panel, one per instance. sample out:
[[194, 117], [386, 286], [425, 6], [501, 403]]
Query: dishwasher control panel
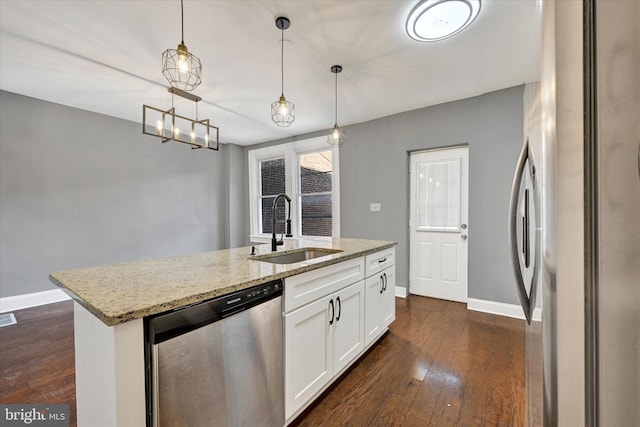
[[164, 326]]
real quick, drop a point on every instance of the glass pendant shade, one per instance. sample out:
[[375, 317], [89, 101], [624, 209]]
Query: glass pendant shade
[[283, 112], [182, 69], [336, 136]]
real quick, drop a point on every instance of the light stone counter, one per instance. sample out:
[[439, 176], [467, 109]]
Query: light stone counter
[[120, 293]]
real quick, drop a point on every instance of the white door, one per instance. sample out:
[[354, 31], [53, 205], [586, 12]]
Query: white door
[[438, 223]]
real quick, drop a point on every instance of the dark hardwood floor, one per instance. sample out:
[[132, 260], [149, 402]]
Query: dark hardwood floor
[[37, 357], [439, 365]]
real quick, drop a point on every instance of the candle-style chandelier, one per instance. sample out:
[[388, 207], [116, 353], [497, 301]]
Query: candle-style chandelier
[[169, 126]]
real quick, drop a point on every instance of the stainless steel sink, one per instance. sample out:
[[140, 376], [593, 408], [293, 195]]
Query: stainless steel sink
[[297, 255]]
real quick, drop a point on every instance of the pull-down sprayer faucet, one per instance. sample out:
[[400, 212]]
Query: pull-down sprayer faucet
[[274, 242]]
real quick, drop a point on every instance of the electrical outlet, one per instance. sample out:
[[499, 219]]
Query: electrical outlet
[[375, 207]]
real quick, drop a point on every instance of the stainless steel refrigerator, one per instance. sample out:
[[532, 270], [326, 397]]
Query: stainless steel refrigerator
[[574, 219]]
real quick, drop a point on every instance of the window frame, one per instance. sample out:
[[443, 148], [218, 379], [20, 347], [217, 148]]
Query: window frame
[[291, 152]]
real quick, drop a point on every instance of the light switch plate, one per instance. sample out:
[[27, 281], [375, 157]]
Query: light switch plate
[[375, 207]]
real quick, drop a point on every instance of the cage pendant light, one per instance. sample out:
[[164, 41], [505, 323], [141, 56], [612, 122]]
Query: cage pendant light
[[336, 135], [283, 112], [182, 69]]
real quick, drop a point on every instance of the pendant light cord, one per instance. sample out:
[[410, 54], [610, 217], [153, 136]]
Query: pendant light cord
[[282, 61], [336, 98], [182, 19]]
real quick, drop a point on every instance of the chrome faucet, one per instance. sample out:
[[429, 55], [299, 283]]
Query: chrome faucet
[[274, 242]]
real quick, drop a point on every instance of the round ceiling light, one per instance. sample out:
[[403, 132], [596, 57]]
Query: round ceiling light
[[432, 20]]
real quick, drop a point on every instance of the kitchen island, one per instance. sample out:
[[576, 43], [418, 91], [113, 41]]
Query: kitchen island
[[112, 301]]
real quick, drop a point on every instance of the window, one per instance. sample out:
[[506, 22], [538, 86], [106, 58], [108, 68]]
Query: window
[[307, 171], [315, 193], [272, 183]]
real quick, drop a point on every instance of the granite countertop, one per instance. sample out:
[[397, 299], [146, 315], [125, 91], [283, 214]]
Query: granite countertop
[[119, 293]]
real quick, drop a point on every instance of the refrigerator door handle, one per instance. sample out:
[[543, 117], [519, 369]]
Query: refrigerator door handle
[[513, 236]]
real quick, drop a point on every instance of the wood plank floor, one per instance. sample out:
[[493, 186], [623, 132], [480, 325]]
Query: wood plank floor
[[439, 365], [37, 363]]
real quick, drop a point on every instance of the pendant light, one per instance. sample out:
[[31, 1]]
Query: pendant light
[[336, 135], [182, 69], [283, 112]]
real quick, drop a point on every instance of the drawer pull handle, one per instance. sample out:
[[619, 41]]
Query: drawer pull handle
[[380, 261]]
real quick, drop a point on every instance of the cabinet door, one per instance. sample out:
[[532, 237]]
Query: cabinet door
[[308, 352], [373, 289], [348, 334], [388, 297]]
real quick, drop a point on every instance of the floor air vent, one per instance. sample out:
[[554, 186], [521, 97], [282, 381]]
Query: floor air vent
[[7, 319]]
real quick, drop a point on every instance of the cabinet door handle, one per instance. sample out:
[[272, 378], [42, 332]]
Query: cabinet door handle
[[332, 311], [339, 308], [381, 284], [384, 280]]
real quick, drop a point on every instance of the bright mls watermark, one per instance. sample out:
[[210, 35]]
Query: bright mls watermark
[[34, 415]]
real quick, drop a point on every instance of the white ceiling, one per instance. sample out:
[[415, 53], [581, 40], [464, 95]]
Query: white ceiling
[[105, 56]]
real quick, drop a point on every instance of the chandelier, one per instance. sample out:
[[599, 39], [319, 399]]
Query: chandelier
[[169, 126]]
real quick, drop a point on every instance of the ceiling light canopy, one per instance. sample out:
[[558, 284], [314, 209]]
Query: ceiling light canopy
[[182, 69], [336, 135], [432, 20], [283, 112]]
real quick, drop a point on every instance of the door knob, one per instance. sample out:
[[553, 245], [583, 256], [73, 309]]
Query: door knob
[[463, 226], [463, 237]]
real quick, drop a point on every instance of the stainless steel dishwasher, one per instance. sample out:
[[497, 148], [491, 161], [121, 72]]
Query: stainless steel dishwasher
[[219, 362]]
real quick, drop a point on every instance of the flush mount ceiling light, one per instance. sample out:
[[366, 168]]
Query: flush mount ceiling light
[[182, 69], [336, 135], [432, 20], [283, 112], [169, 126]]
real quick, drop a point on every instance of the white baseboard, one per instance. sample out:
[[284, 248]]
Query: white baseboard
[[501, 309], [401, 292], [19, 302]]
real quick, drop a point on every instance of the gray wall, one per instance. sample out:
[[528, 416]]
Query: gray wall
[[79, 189], [374, 164]]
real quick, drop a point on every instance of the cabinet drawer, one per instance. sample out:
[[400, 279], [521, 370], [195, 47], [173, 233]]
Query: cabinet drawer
[[378, 261], [307, 287]]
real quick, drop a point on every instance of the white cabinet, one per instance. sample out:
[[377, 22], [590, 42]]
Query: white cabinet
[[388, 300], [380, 309], [308, 353], [348, 338], [378, 261], [321, 338], [331, 315], [307, 287]]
